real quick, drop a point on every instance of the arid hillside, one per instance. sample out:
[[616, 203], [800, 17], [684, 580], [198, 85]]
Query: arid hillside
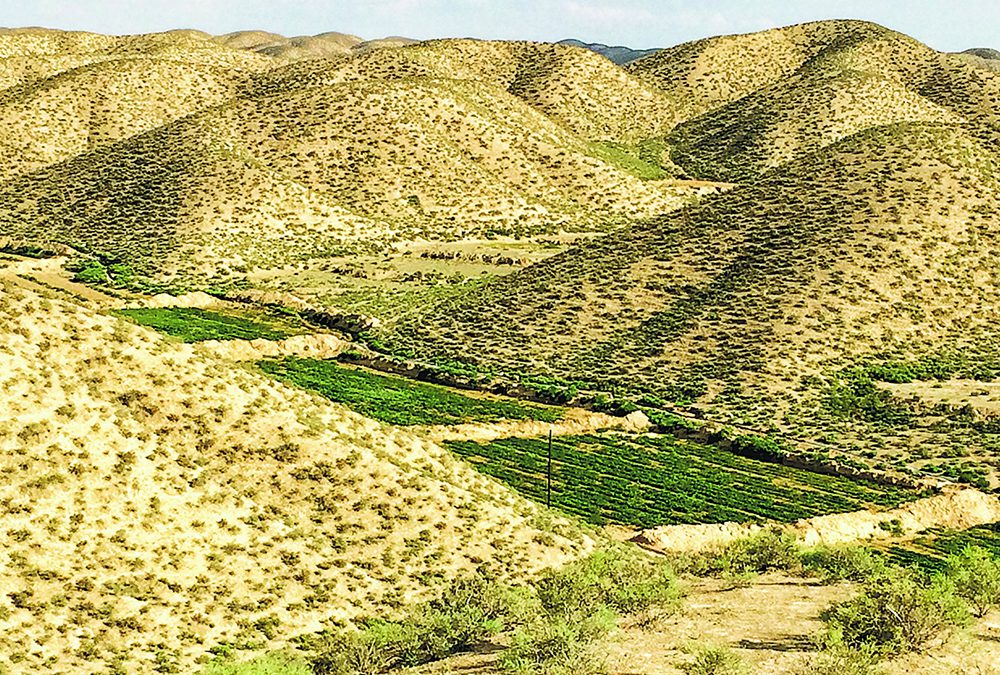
[[313, 171], [757, 101], [186, 156], [583, 91], [159, 502]]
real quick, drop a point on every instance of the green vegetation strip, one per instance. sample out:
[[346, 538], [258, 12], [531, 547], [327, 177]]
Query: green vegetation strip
[[196, 325], [648, 481], [397, 400]]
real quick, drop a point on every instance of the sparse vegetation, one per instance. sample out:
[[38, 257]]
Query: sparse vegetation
[[781, 246], [897, 612]]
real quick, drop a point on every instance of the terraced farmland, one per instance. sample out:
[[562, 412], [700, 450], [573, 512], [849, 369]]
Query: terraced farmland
[[397, 400], [659, 480]]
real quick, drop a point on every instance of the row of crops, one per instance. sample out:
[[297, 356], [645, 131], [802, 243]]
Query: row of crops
[[930, 550], [659, 480]]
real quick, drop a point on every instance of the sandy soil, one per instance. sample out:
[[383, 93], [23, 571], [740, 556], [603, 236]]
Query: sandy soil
[[954, 508]]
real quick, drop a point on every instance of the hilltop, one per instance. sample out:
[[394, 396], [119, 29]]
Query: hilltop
[[819, 83], [619, 54]]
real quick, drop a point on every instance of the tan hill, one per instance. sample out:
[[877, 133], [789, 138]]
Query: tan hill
[[298, 48], [575, 86], [304, 47], [65, 93], [158, 502], [79, 110], [804, 87], [307, 172], [31, 54], [201, 171], [707, 74], [878, 247]]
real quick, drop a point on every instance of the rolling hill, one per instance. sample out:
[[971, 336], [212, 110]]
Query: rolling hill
[[689, 292], [159, 502], [574, 86], [779, 306], [305, 173], [178, 165], [820, 82]]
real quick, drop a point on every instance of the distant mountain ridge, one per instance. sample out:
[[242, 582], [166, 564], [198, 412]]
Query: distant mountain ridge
[[618, 54], [984, 53]]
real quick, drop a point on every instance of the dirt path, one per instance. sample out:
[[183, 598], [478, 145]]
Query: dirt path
[[576, 422], [51, 272]]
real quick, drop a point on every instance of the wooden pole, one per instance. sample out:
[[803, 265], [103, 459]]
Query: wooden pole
[[548, 487]]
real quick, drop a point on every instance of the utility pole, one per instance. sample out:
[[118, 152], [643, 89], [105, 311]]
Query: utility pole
[[548, 487]]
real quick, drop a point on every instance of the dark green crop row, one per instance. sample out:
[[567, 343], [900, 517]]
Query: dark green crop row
[[397, 400], [659, 480]]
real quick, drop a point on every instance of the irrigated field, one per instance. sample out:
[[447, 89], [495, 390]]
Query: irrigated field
[[930, 550], [657, 480], [397, 400]]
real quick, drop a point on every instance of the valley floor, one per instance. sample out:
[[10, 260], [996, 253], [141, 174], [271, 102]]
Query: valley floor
[[771, 624]]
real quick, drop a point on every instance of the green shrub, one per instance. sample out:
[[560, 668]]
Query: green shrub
[[557, 646], [468, 611], [836, 659], [975, 574], [765, 551], [897, 611], [369, 651], [89, 272], [624, 582], [269, 664], [842, 563], [715, 660]]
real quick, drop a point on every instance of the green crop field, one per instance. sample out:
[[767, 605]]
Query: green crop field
[[397, 400], [658, 480], [930, 550], [196, 325]]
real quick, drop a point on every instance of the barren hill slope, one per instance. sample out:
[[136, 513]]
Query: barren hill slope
[[306, 172], [158, 502], [575, 86]]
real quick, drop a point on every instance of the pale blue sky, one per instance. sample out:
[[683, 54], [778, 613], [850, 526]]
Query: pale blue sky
[[946, 25]]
